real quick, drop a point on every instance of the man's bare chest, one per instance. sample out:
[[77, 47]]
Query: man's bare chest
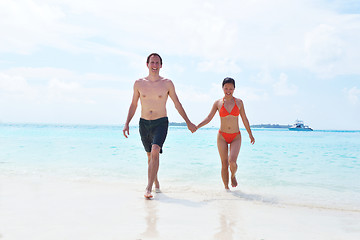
[[154, 91]]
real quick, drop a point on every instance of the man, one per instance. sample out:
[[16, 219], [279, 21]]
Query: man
[[153, 92]]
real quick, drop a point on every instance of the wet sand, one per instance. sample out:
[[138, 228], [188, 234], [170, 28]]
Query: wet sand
[[46, 208]]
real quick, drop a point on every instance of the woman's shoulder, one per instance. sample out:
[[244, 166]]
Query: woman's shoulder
[[238, 101], [218, 101]]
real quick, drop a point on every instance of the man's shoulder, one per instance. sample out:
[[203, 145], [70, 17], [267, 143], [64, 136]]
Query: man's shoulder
[[166, 81], [162, 79], [143, 82], [140, 80]]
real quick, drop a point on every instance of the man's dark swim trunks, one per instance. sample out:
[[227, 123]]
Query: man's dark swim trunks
[[153, 132]]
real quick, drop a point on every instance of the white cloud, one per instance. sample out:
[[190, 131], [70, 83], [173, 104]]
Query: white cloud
[[252, 94], [189, 93], [263, 77], [47, 85], [242, 92], [324, 49], [219, 66], [60, 97], [353, 95], [283, 88], [29, 24], [15, 86], [276, 33], [310, 37], [65, 92], [13, 83], [44, 74]]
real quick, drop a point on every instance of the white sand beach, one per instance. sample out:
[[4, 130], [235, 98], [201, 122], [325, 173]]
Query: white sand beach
[[46, 208]]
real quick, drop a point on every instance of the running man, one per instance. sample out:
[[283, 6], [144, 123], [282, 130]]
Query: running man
[[153, 92]]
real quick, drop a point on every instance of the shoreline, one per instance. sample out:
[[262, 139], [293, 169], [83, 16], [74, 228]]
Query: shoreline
[[135, 125], [50, 208]]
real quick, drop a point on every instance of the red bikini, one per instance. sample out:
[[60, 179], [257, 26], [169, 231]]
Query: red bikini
[[235, 111], [229, 137]]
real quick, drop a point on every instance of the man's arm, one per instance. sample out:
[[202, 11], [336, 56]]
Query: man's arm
[[179, 107], [132, 110]]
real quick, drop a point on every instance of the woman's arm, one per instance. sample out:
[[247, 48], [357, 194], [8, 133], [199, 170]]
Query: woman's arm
[[210, 116], [246, 122]]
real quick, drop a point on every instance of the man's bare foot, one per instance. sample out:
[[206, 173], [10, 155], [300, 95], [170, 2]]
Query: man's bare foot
[[148, 195], [233, 182], [157, 186]]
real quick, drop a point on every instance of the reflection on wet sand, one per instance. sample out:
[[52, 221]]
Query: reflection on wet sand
[[231, 220], [226, 231], [151, 219]]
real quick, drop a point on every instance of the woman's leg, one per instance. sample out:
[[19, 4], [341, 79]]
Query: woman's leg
[[223, 152], [234, 152]]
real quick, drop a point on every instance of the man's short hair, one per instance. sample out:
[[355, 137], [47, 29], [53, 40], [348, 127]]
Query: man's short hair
[[153, 54]]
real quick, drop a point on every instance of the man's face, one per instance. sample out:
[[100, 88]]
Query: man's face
[[154, 64]]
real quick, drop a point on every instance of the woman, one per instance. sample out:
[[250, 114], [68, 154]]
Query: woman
[[229, 109]]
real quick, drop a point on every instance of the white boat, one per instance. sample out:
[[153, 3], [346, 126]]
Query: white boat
[[299, 126]]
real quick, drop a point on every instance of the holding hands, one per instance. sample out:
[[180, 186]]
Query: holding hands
[[192, 127]]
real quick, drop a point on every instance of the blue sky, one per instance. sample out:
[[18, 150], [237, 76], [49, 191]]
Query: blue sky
[[72, 61]]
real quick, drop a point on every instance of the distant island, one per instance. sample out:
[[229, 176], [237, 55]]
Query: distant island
[[253, 126], [270, 126], [177, 124]]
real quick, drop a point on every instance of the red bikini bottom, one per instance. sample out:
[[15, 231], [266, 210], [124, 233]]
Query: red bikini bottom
[[229, 137]]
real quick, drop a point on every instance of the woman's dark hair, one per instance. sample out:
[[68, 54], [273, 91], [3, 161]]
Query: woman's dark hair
[[228, 80], [153, 54]]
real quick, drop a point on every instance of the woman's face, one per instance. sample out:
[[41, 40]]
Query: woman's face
[[228, 89]]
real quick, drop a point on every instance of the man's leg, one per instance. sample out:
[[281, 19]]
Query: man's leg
[[156, 182], [152, 168]]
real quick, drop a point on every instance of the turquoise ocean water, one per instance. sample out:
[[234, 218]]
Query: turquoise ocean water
[[316, 169]]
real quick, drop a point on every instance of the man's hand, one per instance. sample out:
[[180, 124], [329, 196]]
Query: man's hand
[[126, 130], [191, 127]]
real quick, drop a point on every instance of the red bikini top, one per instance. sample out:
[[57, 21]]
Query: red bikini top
[[223, 112]]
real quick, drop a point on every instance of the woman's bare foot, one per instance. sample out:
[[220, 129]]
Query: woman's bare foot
[[233, 182]]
